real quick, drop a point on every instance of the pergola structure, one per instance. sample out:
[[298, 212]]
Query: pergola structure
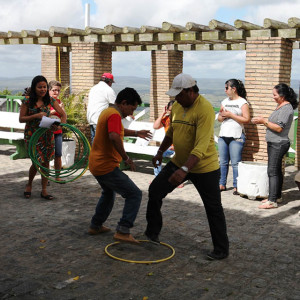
[[268, 58]]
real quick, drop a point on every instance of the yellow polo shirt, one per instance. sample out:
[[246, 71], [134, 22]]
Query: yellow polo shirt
[[192, 132]]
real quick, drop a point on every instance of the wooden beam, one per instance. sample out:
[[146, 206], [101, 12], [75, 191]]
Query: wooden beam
[[75, 31], [190, 36], [129, 37], [111, 29], [128, 29], [30, 41], [166, 37], [273, 24], [28, 33], [213, 35], [148, 37], [172, 27], [14, 34], [93, 30], [292, 33], [263, 33], [58, 31], [204, 47], [196, 27], [217, 25], [294, 22], [246, 25], [42, 33], [150, 29], [3, 34]]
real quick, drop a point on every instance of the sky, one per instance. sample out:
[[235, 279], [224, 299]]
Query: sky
[[25, 60]]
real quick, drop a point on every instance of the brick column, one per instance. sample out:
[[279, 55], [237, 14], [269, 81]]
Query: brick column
[[56, 62], [89, 62], [165, 65], [268, 62]]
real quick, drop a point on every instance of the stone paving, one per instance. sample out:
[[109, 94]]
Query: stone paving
[[47, 254]]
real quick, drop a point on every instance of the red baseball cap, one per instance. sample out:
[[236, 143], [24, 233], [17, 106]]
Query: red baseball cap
[[108, 76]]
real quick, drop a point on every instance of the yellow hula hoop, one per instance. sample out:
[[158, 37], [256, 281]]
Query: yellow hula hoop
[[140, 261]]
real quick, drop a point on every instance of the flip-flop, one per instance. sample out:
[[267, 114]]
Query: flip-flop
[[27, 195], [47, 197]]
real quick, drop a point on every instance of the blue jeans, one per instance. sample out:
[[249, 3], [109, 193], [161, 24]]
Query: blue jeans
[[276, 152], [167, 153], [230, 149], [93, 132], [58, 144], [207, 185], [112, 183]]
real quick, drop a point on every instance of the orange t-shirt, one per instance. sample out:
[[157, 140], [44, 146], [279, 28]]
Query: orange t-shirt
[[104, 158]]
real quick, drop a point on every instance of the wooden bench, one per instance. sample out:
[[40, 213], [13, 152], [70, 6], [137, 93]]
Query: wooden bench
[[136, 147], [8, 122]]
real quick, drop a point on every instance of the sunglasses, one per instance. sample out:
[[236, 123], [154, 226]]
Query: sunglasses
[[226, 88]]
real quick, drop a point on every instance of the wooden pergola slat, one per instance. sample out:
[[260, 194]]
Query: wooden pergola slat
[[192, 36]]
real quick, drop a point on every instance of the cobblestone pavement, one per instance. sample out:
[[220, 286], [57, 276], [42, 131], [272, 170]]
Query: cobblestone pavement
[[47, 254]]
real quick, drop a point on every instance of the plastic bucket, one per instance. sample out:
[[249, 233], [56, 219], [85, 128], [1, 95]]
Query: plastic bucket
[[253, 180]]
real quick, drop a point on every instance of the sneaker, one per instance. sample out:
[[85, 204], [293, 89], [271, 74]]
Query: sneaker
[[153, 238], [216, 255], [94, 231], [125, 237]]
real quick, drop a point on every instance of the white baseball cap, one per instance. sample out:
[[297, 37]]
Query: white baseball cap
[[180, 82]]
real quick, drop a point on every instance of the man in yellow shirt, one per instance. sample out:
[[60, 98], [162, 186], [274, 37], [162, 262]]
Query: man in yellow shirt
[[192, 133]]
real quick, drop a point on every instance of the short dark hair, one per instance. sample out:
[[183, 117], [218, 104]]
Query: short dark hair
[[130, 95]]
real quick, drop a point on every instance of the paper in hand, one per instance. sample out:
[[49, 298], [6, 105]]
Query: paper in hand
[[48, 122]]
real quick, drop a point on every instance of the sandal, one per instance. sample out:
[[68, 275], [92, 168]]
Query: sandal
[[27, 195], [268, 205], [47, 197], [235, 192], [222, 188]]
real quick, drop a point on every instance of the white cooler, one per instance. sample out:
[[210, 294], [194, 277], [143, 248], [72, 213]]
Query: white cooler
[[253, 179]]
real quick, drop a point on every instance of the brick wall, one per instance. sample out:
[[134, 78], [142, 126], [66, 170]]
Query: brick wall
[[89, 62], [53, 64], [165, 65], [268, 62]]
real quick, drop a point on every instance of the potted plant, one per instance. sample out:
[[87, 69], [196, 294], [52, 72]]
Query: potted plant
[[75, 109]]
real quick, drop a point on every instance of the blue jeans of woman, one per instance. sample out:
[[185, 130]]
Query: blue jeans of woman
[[167, 153], [112, 183], [276, 152], [230, 149], [58, 144], [207, 185]]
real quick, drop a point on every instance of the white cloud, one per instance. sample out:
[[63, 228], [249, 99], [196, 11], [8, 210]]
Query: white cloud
[[22, 60]]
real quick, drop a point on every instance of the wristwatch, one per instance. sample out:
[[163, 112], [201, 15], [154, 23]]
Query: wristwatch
[[185, 169]]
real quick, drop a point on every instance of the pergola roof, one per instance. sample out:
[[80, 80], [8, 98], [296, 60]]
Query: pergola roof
[[192, 36]]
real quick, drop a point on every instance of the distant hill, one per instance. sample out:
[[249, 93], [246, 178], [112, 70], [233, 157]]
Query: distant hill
[[213, 89]]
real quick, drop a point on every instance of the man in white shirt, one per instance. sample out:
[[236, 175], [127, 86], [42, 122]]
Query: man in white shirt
[[100, 96]]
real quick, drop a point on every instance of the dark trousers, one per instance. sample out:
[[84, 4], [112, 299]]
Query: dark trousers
[[207, 185], [276, 152]]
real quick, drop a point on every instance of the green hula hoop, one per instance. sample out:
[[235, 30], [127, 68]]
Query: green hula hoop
[[81, 161]]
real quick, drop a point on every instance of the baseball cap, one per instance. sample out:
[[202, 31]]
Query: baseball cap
[[180, 82], [108, 76]]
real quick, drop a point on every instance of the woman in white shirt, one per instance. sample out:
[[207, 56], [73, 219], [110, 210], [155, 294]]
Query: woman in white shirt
[[234, 112]]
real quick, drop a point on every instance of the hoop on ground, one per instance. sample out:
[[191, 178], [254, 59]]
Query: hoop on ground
[[140, 261], [71, 173]]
